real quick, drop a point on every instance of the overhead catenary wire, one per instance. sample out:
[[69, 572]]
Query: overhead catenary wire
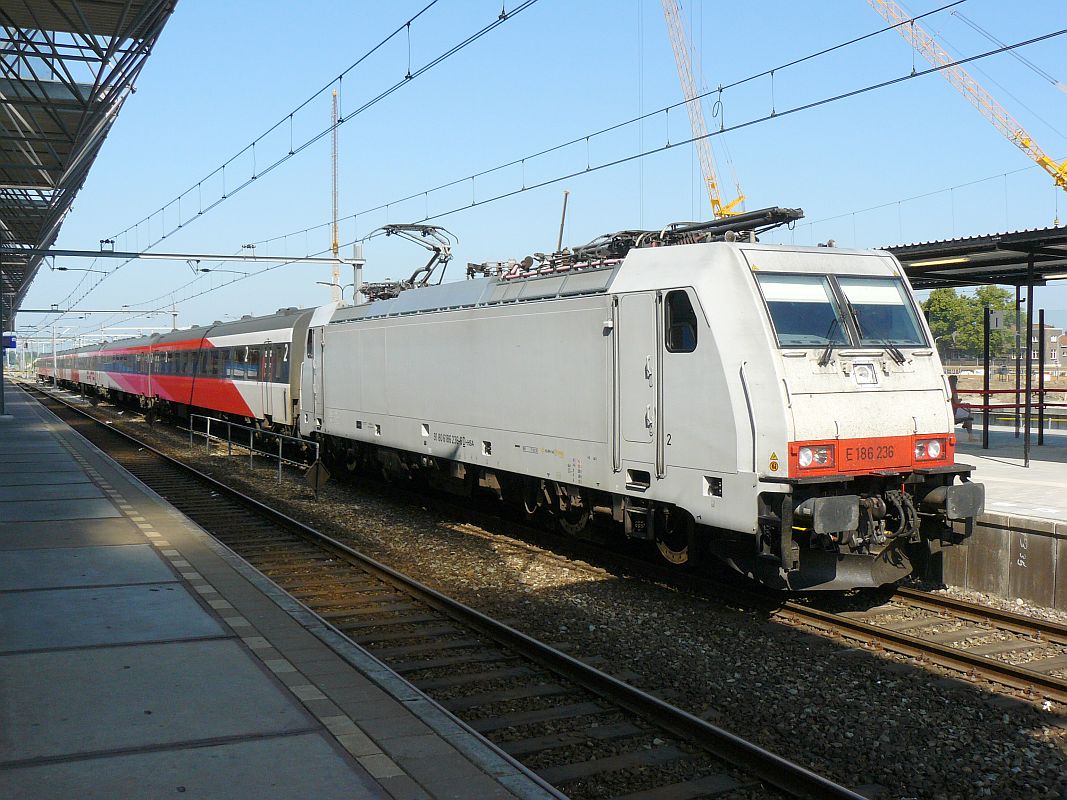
[[739, 126], [920, 196], [1017, 56], [643, 117], [405, 26], [472, 178], [1033, 112], [661, 149], [409, 76]]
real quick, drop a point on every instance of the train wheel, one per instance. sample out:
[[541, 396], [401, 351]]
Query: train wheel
[[572, 519], [351, 461], [675, 536]]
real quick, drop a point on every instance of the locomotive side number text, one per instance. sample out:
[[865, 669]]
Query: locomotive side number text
[[873, 453]]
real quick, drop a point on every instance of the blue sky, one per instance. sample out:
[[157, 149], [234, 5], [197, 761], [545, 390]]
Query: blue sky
[[222, 73]]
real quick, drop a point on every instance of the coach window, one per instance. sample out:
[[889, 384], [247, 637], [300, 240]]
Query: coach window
[[254, 356], [281, 363], [681, 322], [235, 370]]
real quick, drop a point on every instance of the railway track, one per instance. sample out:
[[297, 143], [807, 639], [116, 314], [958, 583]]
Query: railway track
[[584, 731], [981, 642]]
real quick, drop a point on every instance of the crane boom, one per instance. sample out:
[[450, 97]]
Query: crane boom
[[926, 46], [676, 31]]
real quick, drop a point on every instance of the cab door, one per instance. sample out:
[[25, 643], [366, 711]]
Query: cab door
[[697, 426], [637, 376]]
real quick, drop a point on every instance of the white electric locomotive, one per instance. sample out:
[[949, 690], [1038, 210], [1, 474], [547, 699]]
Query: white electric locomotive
[[781, 406]]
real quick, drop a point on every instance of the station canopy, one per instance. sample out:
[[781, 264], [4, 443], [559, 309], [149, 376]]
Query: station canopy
[[67, 68], [1018, 258]]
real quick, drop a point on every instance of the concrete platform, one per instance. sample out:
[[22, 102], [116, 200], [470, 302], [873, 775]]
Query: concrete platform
[[1018, 547], [1039, 490], [140, 658]]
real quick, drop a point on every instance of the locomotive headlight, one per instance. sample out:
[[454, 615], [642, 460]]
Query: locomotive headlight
[[929, 449], [815, 456]]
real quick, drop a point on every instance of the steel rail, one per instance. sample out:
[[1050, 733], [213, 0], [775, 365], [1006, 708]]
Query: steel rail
[[1046, 630], [768, 767], [1012, 675]]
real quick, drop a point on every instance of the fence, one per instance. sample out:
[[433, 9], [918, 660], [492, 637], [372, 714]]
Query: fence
[[1042, 409], [230, 427]]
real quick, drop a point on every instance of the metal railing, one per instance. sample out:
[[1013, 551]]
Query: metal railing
[[221, 425]]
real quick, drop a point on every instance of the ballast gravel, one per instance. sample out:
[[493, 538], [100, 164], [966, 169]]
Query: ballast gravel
[[875, 722]]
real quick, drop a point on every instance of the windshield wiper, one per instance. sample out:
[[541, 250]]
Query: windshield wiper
[[824, 359], [894, 351]]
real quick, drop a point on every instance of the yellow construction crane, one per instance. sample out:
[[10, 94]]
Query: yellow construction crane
[[926, 46], [702, 142]]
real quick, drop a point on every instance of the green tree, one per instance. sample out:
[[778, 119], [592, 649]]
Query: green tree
[[956, 320]]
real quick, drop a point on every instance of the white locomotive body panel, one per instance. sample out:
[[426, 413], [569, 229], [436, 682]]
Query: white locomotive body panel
[[660, 381]]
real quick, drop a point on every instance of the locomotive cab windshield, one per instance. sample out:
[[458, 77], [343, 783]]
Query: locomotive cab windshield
[[882, 312], [830, 311]]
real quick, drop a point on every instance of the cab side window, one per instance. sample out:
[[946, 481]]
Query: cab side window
[[681, 323]]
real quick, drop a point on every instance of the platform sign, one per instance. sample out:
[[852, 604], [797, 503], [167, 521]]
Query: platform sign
[[8, 341], [996, 320]]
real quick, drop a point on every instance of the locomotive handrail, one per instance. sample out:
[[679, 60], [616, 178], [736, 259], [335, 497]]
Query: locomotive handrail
[[751, 414]]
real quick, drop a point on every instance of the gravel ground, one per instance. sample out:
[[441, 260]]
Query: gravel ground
[[863, 719]]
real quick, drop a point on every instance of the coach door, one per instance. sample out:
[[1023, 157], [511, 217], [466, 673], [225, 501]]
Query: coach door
[[266, 380], [637, 360]]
